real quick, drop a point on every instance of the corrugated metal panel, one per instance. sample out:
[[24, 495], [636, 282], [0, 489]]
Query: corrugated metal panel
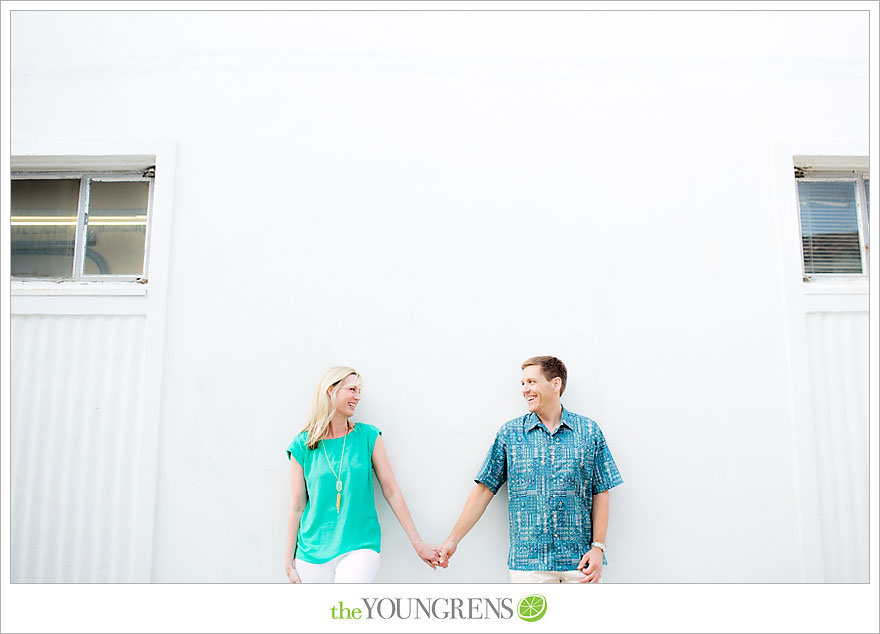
[[76, 389], [838, 359]]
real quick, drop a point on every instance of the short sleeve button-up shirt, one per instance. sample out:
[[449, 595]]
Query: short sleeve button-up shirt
[[551, 482]]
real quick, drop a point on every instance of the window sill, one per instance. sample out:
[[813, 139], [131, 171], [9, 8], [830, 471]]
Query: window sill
[[836, 286], [45, 288]]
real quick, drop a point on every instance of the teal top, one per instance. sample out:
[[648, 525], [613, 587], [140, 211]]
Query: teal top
[[325, 533]]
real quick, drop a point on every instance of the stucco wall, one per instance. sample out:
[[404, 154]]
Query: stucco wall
[[432, 198]]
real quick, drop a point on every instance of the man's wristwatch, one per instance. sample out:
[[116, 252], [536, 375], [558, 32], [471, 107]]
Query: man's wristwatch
[[598, 545]]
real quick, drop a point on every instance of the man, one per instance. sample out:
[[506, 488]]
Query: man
[[559, 470]]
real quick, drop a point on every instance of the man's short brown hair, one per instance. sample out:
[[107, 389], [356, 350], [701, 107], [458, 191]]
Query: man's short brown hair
[[551, 367]]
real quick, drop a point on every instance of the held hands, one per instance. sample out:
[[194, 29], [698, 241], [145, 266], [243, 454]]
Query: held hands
[[291, 572], [447, 549], [427, 553], [591, 566]]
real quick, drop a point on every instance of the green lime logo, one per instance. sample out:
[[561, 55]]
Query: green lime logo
[[532, 607]]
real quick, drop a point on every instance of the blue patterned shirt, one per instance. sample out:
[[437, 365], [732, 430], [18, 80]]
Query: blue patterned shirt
[[551, 482]]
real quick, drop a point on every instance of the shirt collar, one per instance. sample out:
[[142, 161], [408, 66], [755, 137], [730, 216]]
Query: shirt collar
[[531, 421]]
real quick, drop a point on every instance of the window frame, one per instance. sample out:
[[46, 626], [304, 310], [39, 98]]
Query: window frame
[[86, 177], [858, 176]]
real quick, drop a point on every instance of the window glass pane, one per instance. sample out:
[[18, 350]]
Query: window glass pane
[[829, 227], [43, 227], [117, 228]]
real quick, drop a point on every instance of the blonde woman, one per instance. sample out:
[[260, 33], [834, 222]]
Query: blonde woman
[[333, 530]]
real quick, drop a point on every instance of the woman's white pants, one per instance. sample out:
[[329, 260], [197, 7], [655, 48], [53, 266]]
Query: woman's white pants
[[356, 566]]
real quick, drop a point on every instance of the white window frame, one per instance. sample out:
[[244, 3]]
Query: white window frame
[[86, 177], [831, 169]]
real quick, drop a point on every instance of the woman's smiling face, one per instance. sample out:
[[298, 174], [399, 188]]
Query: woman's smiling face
[[348, 396]]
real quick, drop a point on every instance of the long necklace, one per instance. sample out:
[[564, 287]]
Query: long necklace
[[335, 475]]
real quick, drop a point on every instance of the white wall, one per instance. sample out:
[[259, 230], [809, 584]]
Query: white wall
[[74, 481], [434, 197], [838, 350]]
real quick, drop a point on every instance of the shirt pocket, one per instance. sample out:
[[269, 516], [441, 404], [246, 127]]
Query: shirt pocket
[[522, 483], [521, 477], [565, 478]]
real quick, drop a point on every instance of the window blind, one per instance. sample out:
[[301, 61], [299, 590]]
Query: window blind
[[829, 227]]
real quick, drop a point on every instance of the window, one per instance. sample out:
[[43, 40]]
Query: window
[[834, 216], [80, 225]]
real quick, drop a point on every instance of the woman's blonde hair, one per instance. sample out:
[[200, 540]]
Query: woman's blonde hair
[[324, 402]]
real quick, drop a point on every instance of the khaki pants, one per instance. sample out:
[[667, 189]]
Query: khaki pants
[[546, 576]]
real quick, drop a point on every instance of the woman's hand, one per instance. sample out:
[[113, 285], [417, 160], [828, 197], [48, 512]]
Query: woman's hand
[[427, 553], [292, 573]]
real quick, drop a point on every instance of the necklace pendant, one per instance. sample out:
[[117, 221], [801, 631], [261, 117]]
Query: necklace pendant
[[338, 486], [338, 500]]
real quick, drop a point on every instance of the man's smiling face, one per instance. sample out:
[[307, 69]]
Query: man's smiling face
[[537, 390]]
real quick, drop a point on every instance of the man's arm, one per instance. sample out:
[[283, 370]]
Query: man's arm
[[593, 559], [474, 507]]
